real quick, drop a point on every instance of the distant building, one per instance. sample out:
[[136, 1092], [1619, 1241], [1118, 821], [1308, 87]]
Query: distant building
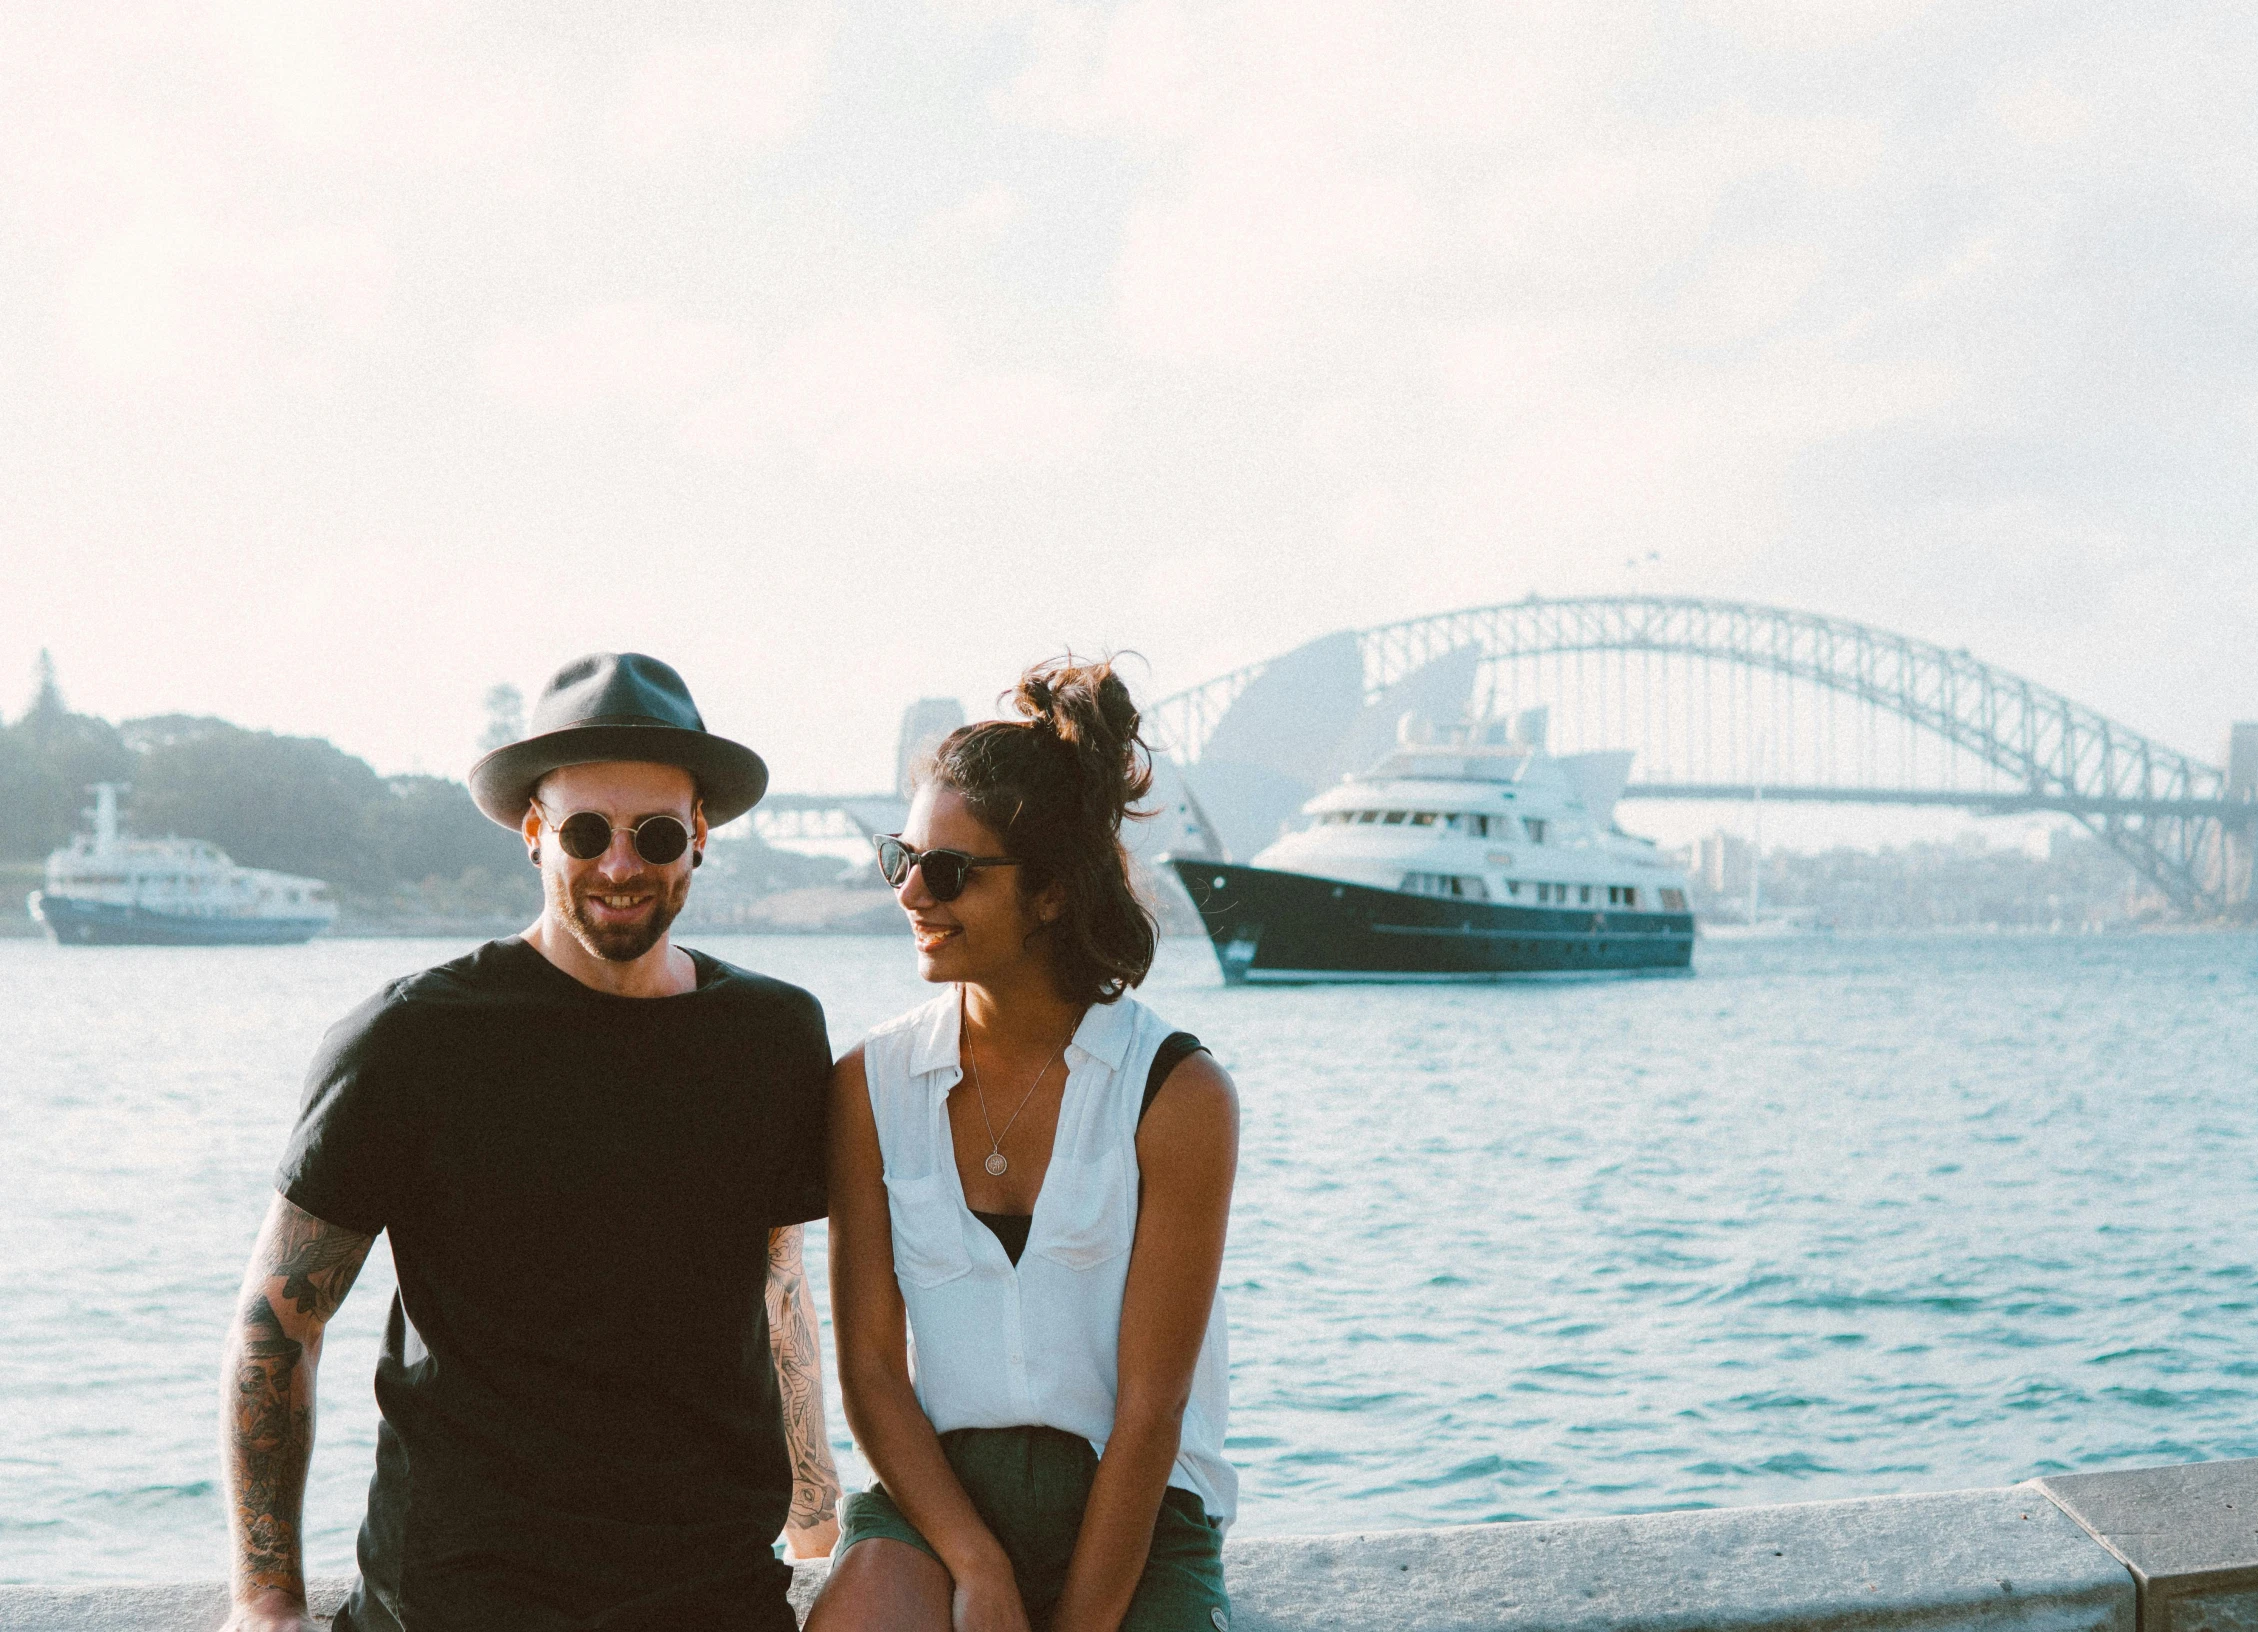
[[924, 724], [1721, 864]]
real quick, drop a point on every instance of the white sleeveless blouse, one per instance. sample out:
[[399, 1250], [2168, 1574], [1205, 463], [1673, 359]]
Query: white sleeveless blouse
[[998, 1346]]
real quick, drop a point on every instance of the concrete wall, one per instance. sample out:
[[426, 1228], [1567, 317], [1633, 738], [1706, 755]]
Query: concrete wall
[[2150, 1550]]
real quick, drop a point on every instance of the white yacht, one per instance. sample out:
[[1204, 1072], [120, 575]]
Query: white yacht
[[1480, 857], [106, 890]]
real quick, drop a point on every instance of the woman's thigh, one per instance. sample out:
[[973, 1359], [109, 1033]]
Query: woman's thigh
[[880, 1584]]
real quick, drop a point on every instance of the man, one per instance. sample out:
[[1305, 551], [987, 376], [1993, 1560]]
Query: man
[[593, 1151]]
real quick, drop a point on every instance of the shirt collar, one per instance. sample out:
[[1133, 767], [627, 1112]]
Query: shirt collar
[[934, 1046], [1103, 1036]]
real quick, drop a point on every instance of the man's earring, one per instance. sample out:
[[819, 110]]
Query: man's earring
[[697, 858], [536, 855]]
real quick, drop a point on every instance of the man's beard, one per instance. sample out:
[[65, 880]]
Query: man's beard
[[620, 943]]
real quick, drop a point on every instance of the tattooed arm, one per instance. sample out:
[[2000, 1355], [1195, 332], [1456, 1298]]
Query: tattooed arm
[[300, 1271], [813, 1524]]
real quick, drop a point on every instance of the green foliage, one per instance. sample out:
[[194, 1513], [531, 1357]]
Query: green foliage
[[296, 804], [293, 803], [302, 805], [47, 760]]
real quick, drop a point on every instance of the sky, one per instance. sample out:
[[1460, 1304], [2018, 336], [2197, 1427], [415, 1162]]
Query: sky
[[353, 360]]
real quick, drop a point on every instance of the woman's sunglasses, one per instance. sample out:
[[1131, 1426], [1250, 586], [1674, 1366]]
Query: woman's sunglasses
[[584, 836], [947, 872]]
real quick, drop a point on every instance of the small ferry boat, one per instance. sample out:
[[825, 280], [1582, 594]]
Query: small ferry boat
[[105, 890], [1479, 858]]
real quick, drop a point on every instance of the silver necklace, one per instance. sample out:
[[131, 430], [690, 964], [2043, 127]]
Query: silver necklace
[[995, 1161]]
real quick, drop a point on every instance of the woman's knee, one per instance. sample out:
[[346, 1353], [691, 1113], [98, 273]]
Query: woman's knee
[[880, 1584]]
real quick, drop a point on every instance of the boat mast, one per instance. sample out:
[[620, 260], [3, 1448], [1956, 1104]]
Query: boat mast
[[106, 817]]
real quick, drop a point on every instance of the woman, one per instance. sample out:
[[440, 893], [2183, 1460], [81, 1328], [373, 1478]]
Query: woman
[[1031, 1177]]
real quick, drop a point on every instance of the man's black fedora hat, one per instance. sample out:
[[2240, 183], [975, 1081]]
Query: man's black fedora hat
[[618, 706]]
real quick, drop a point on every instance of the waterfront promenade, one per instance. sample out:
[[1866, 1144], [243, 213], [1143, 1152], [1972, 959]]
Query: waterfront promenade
[[2171, 1549]]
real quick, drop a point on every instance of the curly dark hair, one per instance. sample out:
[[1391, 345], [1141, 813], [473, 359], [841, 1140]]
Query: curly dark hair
[[1055, 786]]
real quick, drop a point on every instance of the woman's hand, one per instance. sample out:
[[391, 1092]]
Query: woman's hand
[[987, 1600]]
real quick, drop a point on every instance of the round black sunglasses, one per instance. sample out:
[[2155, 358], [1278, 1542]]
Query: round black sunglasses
[[947, 872], [585, 835]]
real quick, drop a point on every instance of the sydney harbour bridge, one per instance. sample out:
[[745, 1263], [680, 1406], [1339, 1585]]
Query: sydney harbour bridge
[[1717, 700]]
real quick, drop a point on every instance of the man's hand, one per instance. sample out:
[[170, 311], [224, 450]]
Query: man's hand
[[810, 1541], [271, 1612], [300, 1271]]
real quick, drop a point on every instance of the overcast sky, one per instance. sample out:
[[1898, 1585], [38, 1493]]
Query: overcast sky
[[355, 359]]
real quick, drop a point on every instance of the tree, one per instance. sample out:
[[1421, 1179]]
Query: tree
[[505, 716], [46, 694], [48, 759]]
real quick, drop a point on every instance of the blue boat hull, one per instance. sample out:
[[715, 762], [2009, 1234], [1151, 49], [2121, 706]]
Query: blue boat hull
[[97, 923], [1278, 927]]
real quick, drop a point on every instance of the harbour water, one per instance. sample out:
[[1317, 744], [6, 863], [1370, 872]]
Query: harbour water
[[1830, 1218]]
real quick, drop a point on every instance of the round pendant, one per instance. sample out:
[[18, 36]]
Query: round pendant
[[995, 1163]]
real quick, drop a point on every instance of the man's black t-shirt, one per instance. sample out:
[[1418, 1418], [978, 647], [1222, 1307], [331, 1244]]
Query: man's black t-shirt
[[581, 1428]]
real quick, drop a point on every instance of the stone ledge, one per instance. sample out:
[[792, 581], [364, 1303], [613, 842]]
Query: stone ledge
[[2188, 1534], [1984, 1558], [2001, 1560]]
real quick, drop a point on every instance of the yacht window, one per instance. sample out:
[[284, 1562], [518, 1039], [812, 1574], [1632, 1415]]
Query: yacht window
[[1674, 900], [1367, 815], [1394, 818], [1458, 885], [1513, 886], [1422, 818], [1534, 826], [1584, 894]]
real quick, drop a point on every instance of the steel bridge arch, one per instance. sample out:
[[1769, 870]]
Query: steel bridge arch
[[2164, 811]]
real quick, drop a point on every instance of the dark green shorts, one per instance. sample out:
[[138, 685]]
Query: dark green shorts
[[1029, 1486]]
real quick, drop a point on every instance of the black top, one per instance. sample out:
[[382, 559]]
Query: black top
[[1009, 1228], [1178, 1046], [581, 1427]]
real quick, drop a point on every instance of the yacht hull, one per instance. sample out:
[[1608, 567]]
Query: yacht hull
[[1272, 927], [97, 923]]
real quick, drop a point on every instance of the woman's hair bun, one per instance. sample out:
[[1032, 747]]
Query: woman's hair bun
[[1054, 785], [1087, 707]]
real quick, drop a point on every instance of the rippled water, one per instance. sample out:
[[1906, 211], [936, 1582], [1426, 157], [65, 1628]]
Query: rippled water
[[1827, 1219]]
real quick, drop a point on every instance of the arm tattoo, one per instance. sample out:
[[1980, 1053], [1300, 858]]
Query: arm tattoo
[[269, 1432], [317, 1262], [799, 1380]]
